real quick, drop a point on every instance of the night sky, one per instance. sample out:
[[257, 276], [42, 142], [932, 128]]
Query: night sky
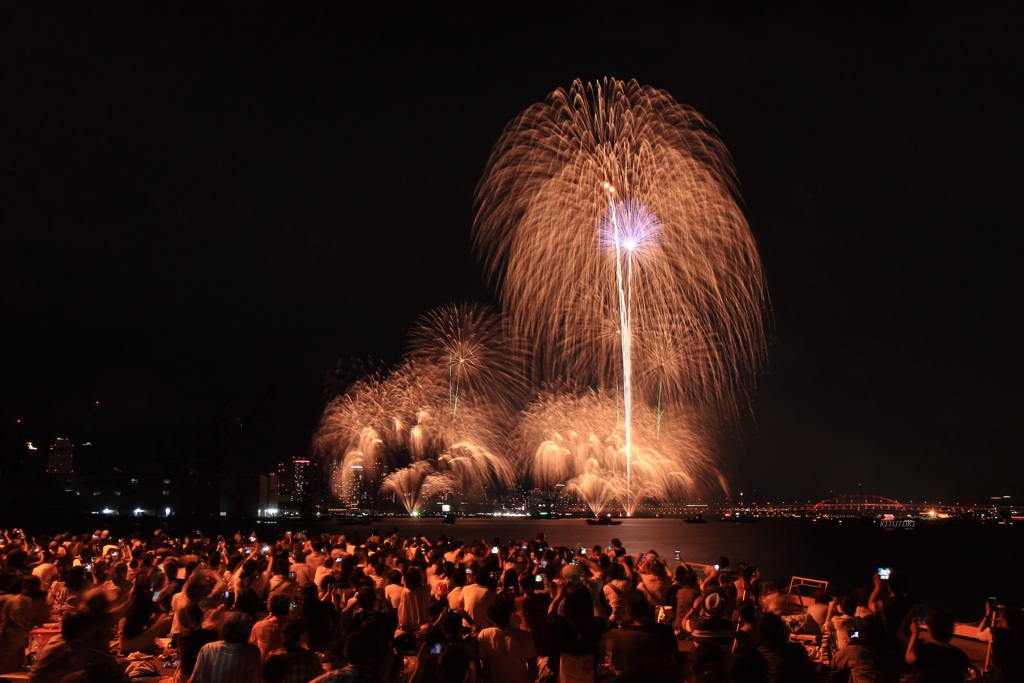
[[205, 210]]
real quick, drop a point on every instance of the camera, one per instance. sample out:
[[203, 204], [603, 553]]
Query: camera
[[677, 555], [854, 635], [883, 573], [435, 649], [538, 578], [494, 550], [291, 575], [583, 551]]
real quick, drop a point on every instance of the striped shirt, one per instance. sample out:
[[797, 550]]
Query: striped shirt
[[222, 662]]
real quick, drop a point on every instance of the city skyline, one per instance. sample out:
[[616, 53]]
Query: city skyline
[[205, 218]]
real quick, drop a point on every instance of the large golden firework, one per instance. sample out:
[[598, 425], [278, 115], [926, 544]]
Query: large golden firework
[[610, 188]]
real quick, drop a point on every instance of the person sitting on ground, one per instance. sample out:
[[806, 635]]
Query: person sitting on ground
[[83, 643], [711, 625], [936, 660], [19, 614], [687, 597], [268, 633], [296, 662], [615, 590], [868, 657], [574, 636], [1003, 626], [642, 648], [357, 652], [843, 621], [654, 579], [890, 599], [707, 664], [787, 661], [478, 597], [820, 608], [232, 658], [507, 655], [143, 622], [532, 607], [414, 606]]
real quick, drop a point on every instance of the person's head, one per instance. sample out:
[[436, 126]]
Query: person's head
[[940, 625], [482, 574], [897, 582], [773, 632], [394, 577], [32, 586], [707, 665], [872, 632], [848, 605], [747, 613], [359, 647], [413, 578], [236, 628], [579, 605], [453, 665], [500, 612], [366, 598], [279, 605], [292, 634], [509, 579], [275, 668], [616, 572], [452, 625], [713, 603], [640, 609], [76, 625]]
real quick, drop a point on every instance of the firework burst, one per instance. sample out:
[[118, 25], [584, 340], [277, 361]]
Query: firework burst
[[620, 153]]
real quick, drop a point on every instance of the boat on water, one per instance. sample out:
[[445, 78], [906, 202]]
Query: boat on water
[[696, 519], [449, 518], [738, 518], [603, 521]]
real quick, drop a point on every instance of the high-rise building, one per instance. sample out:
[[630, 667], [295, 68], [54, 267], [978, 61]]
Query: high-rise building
[[300, 480], [62, 455]]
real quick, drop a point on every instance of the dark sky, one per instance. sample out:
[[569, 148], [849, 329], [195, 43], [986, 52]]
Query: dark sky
[[205, 210]]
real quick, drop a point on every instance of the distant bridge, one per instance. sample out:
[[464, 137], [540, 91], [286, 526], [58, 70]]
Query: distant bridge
[[854, 505], [848, 502]]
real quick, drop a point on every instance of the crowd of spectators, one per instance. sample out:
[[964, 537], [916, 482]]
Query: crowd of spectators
[[385, 608]]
